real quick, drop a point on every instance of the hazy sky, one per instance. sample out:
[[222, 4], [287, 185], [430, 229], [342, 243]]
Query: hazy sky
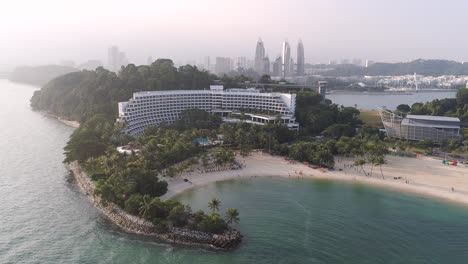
[[47, 31]]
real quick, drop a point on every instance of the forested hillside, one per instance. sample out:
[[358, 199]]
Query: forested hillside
[[81, 95]]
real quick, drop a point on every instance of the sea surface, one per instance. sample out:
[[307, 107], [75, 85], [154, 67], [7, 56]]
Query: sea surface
[[44, 218], [369, 101]]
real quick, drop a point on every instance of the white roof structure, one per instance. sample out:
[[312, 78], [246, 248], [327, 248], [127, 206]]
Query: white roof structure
[[433, 118]]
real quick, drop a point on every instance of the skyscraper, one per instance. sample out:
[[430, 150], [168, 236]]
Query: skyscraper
[[123, 61], [286, 59], [300, 58], [240, 63], [223, 65], [112, 58], [259, 56], [266, 65], [277, 67], [149, 61], [115, 59], [206, 63], [292, 68]]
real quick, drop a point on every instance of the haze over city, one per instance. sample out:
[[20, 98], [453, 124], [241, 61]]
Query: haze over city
[[234, 131], [51, 31]]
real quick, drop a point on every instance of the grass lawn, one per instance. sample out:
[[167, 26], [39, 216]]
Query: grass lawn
[[371, 118], [465, 131]]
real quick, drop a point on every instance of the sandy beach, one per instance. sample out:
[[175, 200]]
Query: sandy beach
[[424, 176]]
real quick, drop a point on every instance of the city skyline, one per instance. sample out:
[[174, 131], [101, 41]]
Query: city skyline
[[331, 30]]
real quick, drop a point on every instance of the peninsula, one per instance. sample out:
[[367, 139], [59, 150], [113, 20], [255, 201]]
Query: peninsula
[[140, 144]]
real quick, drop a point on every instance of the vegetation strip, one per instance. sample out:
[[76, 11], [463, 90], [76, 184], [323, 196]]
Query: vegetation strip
[[136, 225]]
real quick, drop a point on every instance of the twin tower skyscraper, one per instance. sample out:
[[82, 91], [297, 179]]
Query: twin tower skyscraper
[[284, 65]]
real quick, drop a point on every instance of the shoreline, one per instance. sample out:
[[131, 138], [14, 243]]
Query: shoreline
[[135, 225], [418, 176], [71, 123]]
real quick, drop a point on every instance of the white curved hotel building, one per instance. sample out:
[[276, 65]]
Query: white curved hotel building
[[156, 107]]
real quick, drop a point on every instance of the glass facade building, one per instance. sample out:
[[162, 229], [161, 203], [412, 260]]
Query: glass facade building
[[419, 127]]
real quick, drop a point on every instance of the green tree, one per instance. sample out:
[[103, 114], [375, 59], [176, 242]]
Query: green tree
[[145, 206], [133, 204], [404, 108], [265, 79], [361, 162], [204, 159], [232, 216], [214, 204], [379, 161], [338, 131], [213, 224], [223, 156], [462, 97], [179, 215]]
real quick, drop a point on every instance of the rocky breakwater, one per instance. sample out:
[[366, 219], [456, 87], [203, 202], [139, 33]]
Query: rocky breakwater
[[136, 225], [228, 240]]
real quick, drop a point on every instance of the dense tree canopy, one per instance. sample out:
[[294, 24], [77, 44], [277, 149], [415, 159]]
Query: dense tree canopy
[[454, 107], [81, 95], [315, 116], [404, 108], [313, 152]]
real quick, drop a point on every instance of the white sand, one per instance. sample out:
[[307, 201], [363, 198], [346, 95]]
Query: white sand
[[425, 176]]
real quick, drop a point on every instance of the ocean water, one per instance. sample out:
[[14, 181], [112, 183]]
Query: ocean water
[[390, 101], [44, 218]]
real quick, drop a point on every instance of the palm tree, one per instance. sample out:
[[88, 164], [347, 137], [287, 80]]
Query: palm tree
[[361, 162], [145, 206], [379, 162], [232, 215], [214, 204]]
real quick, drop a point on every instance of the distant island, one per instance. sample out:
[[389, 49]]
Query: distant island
[[38, 75], [422, 67]]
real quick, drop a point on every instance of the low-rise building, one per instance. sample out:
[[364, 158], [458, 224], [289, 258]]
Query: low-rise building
[[420, 127]]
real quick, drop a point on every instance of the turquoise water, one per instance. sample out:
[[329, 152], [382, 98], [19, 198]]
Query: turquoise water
[[44, 218], [202, 141], [305, 221]]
